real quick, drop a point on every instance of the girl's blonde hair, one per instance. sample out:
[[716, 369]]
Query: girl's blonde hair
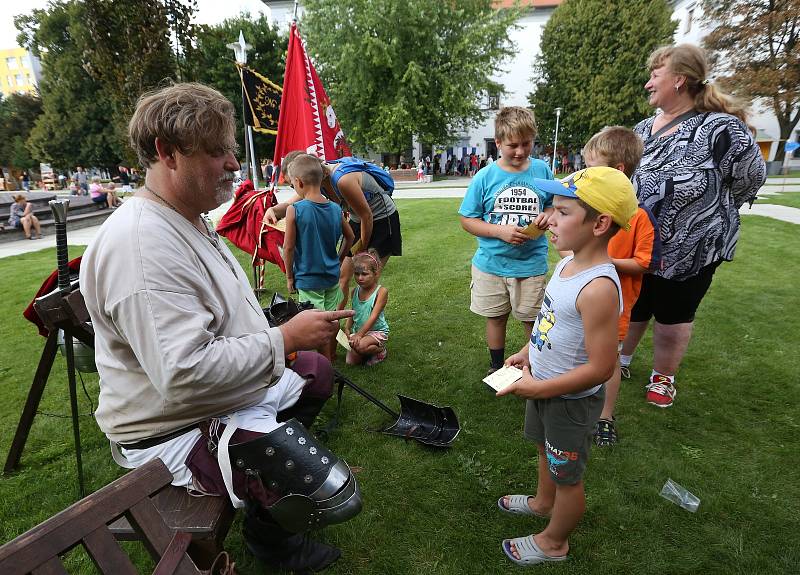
[[369, 258], [691, 62]]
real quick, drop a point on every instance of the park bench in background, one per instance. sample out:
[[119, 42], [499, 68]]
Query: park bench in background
[[86, 522]]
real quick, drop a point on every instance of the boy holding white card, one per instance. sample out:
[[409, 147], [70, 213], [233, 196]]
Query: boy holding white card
[[571, 353]]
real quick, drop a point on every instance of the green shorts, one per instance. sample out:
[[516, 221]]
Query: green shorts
[[325, 299]]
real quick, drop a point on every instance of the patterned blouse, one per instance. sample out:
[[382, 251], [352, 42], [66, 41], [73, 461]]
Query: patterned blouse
[[694, 180]]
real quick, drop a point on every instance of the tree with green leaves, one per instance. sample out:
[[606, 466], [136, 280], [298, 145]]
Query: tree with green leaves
[[593, 65], [98, 57], [213, 63], [758, 47], [18, 113], [134, 47], [74, 127], [397, 68]]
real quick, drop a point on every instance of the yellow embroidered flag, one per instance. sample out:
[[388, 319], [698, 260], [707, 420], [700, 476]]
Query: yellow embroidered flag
[[262, 101]]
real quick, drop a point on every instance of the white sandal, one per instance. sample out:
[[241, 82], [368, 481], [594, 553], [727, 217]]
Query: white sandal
[[529, 552], [518, 505]]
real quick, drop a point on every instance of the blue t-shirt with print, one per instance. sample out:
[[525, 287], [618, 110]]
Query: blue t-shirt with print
[[508, 198]]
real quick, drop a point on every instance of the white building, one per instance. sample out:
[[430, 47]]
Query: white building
[[515, 75], [282, 12]]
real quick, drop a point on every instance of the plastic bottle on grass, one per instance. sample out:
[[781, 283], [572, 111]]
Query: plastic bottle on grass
[[680, 496]]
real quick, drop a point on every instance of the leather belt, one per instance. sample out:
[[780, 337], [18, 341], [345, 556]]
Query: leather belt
[[153, 441]]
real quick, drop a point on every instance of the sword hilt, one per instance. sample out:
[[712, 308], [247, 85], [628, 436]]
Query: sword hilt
[[59, 209]]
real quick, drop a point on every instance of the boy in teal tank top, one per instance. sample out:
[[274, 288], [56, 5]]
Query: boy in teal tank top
[[314, 226]]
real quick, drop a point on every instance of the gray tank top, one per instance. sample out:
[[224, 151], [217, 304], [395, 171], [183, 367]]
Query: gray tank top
[[557, 340], [381, 204]]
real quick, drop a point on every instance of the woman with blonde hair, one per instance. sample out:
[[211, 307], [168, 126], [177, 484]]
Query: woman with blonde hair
[[700, 165]]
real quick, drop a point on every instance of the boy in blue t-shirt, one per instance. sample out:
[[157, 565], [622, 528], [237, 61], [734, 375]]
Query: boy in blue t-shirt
[[313, 228], [509, 267]]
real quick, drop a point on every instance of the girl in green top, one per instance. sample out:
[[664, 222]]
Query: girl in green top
[[367, 331]]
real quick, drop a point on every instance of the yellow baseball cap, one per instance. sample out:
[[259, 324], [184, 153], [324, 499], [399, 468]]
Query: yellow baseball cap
[[605, 189]]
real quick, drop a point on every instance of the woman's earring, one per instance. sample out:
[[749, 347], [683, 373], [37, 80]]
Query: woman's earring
[[677, 89]]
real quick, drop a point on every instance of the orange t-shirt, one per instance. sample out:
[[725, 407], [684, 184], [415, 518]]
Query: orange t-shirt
[[641, 243]]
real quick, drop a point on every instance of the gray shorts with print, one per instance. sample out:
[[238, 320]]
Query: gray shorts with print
[[564, 427]]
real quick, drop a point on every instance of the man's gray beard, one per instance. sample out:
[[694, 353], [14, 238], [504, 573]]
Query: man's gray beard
[[223, 193], [224, 190]]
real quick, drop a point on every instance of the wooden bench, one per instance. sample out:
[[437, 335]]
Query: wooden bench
[[85, 523], [207, 519]]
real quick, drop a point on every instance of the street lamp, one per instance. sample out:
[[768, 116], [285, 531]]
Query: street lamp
[[555, 141], [240, 49]]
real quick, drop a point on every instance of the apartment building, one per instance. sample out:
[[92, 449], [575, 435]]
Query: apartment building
[[20, 72]]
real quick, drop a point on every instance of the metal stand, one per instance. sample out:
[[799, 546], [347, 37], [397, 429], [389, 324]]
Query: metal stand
[[57, 312], [61, 309]]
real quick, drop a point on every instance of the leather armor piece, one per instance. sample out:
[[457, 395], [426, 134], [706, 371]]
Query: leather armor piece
[[316, 488]]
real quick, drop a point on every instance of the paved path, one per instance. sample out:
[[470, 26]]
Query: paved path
[[451, 188], [79, 237], [784, 213]]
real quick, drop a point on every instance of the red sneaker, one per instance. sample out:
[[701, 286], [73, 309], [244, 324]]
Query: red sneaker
[[661, 390]]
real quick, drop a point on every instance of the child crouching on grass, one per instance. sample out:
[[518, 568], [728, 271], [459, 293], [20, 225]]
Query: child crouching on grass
[[367, 331]]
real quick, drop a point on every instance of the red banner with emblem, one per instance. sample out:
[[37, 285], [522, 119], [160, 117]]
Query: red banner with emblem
[[306, 121]]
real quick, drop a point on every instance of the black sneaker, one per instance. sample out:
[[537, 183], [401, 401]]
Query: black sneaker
[[605, 434]]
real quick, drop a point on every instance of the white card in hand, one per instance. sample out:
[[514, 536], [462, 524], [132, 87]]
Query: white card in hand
[[503, 377], [341, 337]]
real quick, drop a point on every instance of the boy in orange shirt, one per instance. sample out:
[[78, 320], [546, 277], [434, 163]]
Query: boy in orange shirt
[[634, 253]]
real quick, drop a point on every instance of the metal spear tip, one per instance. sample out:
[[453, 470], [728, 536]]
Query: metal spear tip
[[59, 208], [240, 49]]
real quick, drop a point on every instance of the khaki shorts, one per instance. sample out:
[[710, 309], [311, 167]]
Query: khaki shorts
[[495, 296]]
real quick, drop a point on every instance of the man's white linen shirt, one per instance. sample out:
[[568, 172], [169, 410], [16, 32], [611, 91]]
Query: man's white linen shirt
[[179, 334]]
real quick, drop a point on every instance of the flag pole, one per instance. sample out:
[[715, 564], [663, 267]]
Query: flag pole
[[240, 52]]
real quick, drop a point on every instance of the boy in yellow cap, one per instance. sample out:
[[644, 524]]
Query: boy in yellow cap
[[573, 350]]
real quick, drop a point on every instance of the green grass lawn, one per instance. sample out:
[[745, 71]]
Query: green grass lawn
[[730, 438], [791, 174], [791, 199]]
